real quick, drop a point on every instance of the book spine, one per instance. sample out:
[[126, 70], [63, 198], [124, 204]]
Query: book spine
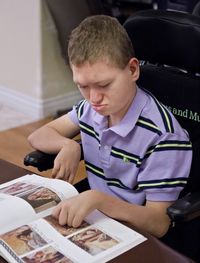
[[7, 248]]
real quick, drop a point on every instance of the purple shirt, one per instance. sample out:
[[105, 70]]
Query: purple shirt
[[146, 156]]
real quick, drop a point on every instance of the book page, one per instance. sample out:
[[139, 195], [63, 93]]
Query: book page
[[30, 197], [98, 239]]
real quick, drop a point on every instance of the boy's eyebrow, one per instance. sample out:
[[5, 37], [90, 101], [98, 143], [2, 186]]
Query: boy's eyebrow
[[79, 84], [96, 82], [103, 81]]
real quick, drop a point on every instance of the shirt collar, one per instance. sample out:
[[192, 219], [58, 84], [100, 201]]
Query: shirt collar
[[129, 120]]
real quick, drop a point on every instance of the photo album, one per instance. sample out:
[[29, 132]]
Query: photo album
[[29, 234]]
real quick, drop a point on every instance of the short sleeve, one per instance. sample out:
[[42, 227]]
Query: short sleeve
[[165, 168], [73, 116], [76, 112]]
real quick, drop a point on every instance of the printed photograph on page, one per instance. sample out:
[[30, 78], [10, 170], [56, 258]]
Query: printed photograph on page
[[93, 241], [41, 198], [23, 240], [17, 188], [47, 255], [64, 230]]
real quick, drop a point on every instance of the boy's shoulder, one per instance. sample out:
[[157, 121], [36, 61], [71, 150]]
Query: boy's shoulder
[[158, 115]]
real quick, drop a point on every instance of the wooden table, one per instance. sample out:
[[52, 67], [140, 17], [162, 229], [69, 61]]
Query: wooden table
[[150, 251]]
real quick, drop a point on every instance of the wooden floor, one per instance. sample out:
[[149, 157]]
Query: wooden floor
[[14, 146]]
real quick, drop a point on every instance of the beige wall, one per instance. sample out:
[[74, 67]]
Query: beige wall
[[34, 77], [20, 66]]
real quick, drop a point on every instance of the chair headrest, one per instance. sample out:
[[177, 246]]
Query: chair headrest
[[166, 37]]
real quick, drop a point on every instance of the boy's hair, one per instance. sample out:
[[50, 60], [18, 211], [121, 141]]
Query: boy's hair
[[100, 37]]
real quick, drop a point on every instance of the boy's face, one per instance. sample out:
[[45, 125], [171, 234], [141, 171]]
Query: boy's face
[[109, 89]]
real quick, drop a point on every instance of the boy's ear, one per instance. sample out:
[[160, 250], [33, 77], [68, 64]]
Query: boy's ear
[[134, 68]]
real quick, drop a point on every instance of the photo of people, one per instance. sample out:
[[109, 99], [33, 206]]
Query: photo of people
[[47, 255], [64, 230], [93, 241], [17, 188], [23, 240], [41, 198]]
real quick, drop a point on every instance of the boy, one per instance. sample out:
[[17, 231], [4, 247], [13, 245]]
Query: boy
[[137, 156]]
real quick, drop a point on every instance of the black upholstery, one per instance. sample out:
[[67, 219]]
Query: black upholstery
[[179, 5], [42, 161], [196, 10], [168, 47], [170, 38]]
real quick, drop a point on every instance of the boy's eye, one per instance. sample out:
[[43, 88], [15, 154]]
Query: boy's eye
[[104, 85], [82, 87]]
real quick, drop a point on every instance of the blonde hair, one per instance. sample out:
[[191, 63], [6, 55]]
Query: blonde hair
[[100, 37]]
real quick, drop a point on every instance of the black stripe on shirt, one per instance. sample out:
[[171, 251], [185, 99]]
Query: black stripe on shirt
[[79, 108], [166, 117], [163, 183], [84, 127], [148, 124], [126, 156], [100, 173], [169, 145]]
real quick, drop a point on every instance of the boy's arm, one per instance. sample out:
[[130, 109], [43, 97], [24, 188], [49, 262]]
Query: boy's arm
[[55, 137], [151, 218], [51, 137]]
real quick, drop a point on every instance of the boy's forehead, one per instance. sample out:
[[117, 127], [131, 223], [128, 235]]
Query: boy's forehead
[[96, 72], [98, 62]]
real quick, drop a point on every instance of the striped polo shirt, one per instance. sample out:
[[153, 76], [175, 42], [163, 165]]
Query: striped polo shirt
[[146, 156]]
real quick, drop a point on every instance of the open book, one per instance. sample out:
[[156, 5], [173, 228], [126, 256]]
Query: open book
[[28, 232]]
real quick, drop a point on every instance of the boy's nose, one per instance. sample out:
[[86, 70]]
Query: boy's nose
[[95, 96]]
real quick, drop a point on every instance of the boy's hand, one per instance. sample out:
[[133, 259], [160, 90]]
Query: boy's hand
[[67, 161], [73, 211]]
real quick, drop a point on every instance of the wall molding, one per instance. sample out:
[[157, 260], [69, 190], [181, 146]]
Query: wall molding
[[37, 108]]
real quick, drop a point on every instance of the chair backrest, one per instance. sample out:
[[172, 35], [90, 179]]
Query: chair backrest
[[196, 9], [167, 43], [179, 5]]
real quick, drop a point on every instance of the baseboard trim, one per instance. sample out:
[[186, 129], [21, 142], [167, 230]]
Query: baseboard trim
[[37, 108]]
